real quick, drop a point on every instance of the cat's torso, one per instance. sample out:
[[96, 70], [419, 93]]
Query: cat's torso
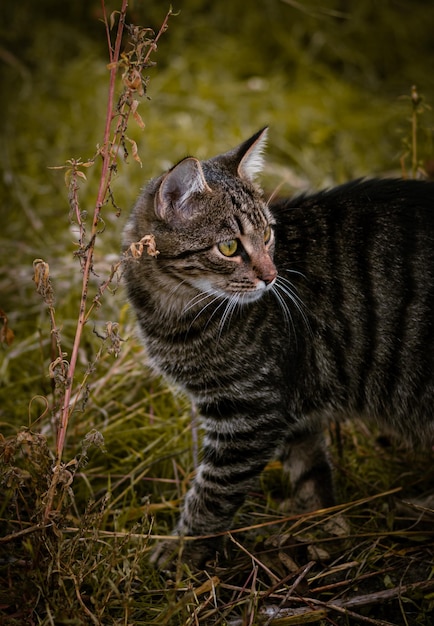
[[349, 347], [345, 329]]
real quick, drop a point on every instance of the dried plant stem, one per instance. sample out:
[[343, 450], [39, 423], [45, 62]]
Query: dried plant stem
[[107, 160], [345, 606], [132, 62]]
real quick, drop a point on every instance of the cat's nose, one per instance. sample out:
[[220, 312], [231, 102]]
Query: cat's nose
[[269, 277], [265, 270]]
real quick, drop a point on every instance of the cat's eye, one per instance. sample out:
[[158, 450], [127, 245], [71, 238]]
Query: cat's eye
[[267, 234], [229, 248]]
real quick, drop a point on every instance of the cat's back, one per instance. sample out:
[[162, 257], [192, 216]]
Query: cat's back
[[361, 258], [364, 205], [384, 226]]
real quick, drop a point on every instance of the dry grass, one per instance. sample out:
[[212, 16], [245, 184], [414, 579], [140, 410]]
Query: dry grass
[[89, 565], [74, 549]]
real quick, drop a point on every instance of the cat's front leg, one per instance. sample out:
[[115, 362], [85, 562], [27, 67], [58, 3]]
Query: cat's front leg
[[198, 519], [230, 468], [194, 551], [208, 511]]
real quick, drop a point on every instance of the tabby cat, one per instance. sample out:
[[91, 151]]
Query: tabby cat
[[276, 318]]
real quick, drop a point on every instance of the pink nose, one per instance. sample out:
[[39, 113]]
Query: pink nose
[[265, 269], [267, 273], [268, 277]]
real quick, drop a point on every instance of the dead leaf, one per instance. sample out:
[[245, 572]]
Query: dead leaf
[[136, 249], [134, 150], [6, 333], [136, 115]]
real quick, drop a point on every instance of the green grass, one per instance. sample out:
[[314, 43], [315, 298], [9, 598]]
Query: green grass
[[329, 87]]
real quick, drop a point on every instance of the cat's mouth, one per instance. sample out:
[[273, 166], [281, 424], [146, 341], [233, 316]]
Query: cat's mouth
[[255, 294], [239, 296], [209, 294]]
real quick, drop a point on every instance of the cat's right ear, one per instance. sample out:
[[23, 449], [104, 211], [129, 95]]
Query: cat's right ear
[[251, 155], [179, 184]]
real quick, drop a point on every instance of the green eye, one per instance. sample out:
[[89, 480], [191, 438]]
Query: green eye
[[267, 234], [228, 248]]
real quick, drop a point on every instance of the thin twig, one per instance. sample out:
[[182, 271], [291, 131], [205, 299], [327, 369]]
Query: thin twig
[[305, 570], [343, 606], [254, 558], [89, 257], [21, 533], [109, 154]]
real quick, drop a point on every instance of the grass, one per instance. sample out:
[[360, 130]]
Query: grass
[[79, 554]]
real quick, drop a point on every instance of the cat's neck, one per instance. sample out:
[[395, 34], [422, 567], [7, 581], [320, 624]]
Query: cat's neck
[[178, 307]]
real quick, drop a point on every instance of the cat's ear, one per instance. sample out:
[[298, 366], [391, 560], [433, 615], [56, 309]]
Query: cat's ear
[[179, 184], [251, 155]]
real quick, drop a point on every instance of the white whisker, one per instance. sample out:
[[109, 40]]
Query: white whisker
[[231, 305], [197, 299], [200, 298], [224, 300], [205, 299], [282, 289], [285, 309]]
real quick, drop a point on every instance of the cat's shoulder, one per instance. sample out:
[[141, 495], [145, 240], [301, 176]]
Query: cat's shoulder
[[363, 192]]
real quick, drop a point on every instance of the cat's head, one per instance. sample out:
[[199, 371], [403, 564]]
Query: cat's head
[[212, 229]]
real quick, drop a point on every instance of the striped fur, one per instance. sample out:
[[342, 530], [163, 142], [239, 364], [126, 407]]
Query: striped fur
[[331, 316]]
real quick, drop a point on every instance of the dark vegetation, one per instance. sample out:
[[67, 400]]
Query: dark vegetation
[[78, 517]]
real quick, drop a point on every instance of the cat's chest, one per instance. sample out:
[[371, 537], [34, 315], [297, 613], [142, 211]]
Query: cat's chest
[[211, 362], [188, 357]]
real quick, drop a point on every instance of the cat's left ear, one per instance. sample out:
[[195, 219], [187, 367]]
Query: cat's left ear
[[177, 187], [251, 155]]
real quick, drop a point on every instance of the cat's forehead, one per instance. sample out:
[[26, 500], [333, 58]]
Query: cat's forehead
[[250, 212], [250, 222], [242, 202], [239, 214]]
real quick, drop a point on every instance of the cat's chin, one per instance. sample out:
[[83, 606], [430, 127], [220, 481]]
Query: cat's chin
[[236, 297], [250, 296], [247, 297], [255, 295]]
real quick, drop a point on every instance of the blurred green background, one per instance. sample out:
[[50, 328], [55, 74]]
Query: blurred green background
[[332, 79]]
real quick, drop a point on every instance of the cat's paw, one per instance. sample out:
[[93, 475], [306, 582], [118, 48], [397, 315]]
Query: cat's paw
[[196, 553]]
